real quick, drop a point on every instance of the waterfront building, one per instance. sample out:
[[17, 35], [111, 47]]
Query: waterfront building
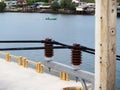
[[10, 3], [1, 0], [21, 2], [43, 7], [81, 6], [76, 1]]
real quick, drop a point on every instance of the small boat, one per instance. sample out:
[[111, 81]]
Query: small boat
[[50, 18]]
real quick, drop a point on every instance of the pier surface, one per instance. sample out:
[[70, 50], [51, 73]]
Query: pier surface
[[14, 77]]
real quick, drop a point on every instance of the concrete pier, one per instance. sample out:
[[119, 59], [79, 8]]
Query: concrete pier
[[15, 77]]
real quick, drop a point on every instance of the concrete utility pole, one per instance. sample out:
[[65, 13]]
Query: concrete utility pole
[[105, 45]]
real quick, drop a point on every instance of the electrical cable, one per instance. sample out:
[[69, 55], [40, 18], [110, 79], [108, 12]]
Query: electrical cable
[[63, 46]]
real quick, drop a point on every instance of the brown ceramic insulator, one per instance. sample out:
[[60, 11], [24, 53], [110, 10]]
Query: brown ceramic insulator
[[76, 55], [48, 48]]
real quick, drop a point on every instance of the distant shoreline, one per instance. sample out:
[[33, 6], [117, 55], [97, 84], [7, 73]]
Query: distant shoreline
[[60, 11]]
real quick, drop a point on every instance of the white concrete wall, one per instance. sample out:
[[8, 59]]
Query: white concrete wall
[[9, 4], [76, 1], [2, 0]]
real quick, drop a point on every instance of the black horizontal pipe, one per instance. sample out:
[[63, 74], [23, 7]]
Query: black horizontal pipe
[[63, 46], [118, 59], [82, 47], [39, 48], [31, 48], [23, 41], [42, 41], [118, 56]]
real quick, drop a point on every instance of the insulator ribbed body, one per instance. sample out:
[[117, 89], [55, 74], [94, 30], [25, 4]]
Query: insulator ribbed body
[[49, 49], [76, 55]]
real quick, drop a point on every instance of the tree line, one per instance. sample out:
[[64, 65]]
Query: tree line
[[2, 6], [64, 4], [94, 1]]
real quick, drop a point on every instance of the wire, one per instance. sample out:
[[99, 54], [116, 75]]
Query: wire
[[62, 46], [31, 48], [38, 48], [23, 41]]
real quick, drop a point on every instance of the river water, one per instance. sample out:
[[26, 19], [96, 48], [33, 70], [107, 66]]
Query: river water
[[67, 29]]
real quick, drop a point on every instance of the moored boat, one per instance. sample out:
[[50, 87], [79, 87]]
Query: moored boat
[[50, 18]]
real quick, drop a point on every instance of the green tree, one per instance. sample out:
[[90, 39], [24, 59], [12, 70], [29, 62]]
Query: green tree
[[50, 0], [55, 6], [92, 1], [118, 1], [30, 2], [44, 0], [64, 4], [67, 4], [2, 6], [72, 6]]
